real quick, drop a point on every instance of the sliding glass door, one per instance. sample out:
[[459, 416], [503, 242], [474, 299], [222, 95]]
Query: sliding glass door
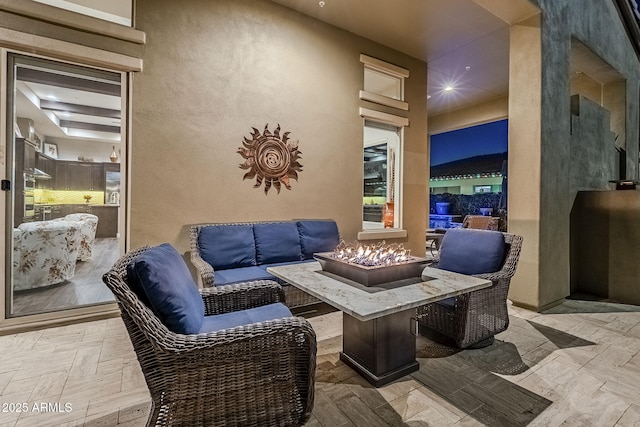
[[65, 140]]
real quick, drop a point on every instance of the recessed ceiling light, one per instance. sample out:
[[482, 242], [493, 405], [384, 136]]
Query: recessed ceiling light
[[468, 67], [321, 3], [448, 88]]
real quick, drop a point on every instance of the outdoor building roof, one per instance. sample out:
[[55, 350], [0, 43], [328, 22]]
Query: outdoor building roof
[[488, 165]]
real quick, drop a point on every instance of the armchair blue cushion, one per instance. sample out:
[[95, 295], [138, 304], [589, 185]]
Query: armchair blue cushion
[[277, 242], [244, 317], [162, 281], [228, 246], [317, 236], [469, 251]]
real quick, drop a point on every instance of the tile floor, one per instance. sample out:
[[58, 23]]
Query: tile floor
[[575, 365]]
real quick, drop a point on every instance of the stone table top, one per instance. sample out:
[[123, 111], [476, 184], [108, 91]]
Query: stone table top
[[366, 303]]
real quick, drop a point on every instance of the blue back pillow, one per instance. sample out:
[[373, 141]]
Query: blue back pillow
[[317, 236], [227, 245], [469, 251], [162, 281], [277, 242]]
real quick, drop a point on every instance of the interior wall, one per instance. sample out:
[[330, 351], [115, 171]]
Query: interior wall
[[214, 70], [72, 149]]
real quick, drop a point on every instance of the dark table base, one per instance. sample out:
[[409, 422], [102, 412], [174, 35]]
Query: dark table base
[[381, 350]]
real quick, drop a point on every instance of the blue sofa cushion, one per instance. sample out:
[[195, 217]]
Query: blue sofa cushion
[[277, 264], [243, 274], [161, 279], [227, 246], [277, 242], [244, 317], [470, 251], [317, 236]]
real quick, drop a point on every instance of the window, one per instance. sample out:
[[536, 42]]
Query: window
[[382, 162], [383, 83], [482, 189], [113, 11], [382, 150]]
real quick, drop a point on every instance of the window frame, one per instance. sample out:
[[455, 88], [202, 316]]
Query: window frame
[[400, 123]]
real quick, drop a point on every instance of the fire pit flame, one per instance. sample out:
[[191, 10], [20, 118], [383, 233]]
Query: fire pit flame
[[371, 255]]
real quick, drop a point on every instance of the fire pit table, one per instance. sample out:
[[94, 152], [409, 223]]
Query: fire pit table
[[378, 339]]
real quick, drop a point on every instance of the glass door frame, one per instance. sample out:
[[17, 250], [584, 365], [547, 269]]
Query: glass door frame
[[6, 201]]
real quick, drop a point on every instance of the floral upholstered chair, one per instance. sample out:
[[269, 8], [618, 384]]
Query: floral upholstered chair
[[44, 253], [88, 227]]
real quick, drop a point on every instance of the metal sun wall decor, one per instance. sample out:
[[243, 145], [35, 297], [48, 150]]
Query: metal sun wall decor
[[270, 158]]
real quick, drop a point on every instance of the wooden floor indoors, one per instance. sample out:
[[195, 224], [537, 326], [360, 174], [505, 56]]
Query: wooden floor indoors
[[575, 365]]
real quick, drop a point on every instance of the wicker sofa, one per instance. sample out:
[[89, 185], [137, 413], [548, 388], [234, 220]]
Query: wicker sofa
[[227, 253]]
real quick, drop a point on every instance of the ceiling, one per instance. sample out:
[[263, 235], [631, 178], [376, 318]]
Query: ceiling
[[68, 105], [465, 46]]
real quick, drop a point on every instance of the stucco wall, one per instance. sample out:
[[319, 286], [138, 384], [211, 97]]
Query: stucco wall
[[214, 70], [591, 138], [597, 25]]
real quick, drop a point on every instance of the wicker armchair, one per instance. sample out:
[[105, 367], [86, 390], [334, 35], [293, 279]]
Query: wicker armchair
[[471, 320], [258, 374], [481, 222]]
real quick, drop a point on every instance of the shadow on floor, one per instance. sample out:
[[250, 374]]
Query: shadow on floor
[[471, 381], [466, 381], [558, 338], [585, 303]]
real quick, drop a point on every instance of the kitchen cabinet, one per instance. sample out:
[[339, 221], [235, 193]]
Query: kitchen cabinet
[[107, 217], [48, 166], [25, 159], [29, 155], [112, 167], [107, 220], [79, 176], [97, 177], [63, 180]]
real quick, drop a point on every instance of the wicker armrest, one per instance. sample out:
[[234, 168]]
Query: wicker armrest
[[495, 276], [177, 344], [240, 296], [204, 269]]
